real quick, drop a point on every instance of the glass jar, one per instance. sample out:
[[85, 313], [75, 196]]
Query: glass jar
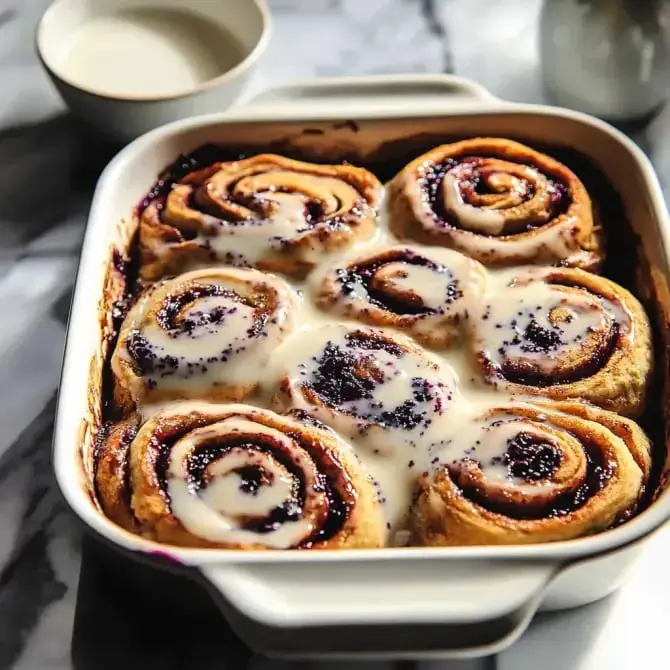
[[609, 58]]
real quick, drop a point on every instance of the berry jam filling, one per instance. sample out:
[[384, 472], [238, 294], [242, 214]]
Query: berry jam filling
[[253, 478], [348, 380], [598, 473], [339, 510], [290, 510], [314, 212], [542, 341], [538, 339], [364, 275], [476, 184], [184, 165], [531, 459], [147, 361], [342, 376], [174, 303]]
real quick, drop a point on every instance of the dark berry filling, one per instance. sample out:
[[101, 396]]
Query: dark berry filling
[[598, 472], [344, 375], [174, 304], [341, 377], [531, 459], [433, 177], [537, 338], [147, 361], [339, 510], [253, 477], [364, 274]]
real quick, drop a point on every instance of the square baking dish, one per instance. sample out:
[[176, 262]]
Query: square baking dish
[[402, 602]]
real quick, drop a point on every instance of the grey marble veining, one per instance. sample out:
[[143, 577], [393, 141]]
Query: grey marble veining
[[64, 601]]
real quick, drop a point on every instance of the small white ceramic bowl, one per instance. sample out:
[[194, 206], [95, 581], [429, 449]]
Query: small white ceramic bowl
[[127, 66]]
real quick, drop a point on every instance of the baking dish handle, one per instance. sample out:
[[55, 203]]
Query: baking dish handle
[[392, 92], [456, 607]]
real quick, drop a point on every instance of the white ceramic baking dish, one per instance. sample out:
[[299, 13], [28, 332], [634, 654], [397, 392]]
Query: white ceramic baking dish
[[408, 602]]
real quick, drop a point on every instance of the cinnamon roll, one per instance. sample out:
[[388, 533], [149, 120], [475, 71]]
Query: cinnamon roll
[[425, 292], [203, 334], [522, 474], [380, 390], [565, 333], [498, 201], [239, 477], [267, 211], [372, 386]]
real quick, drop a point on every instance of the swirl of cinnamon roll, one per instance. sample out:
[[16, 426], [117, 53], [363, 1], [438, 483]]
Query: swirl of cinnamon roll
[[566, 333], [237, 477], [522, 474], [204, 334], [425, 292], [498, 201], [267, 211], [377, 388]]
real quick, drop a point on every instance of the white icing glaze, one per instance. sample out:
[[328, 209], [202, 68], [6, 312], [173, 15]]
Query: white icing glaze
[[430, 285], [556, 239], [479, 220], [388, 443], [248, 236], [385, 452], [448, 286], [216, 348], [252, 239], [564, 317], [216, 512]]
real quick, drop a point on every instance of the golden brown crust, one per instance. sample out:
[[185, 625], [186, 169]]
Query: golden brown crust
[[204, 334], [425, 292], [624, 428], [596, 482], [533, 209], [112, 472], [609, 360], [182, 453], [267, 211]]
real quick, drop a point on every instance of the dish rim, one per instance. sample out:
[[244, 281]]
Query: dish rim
[[67, 467]]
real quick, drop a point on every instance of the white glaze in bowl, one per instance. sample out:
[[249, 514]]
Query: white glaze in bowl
[[127, 66]]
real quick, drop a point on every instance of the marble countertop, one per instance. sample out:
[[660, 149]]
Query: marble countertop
[[65, 602]]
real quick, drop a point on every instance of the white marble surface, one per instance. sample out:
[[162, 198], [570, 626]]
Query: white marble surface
[[61, 603]]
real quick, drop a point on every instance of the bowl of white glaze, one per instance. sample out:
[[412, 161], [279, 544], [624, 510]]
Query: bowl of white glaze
[[127, 66]]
